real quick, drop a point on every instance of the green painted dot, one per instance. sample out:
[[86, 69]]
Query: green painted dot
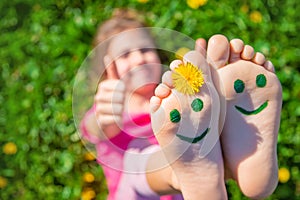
[[175, 116], [261, 80], [239, 86], [197, 105]]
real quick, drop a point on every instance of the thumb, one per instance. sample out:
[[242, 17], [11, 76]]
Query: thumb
[[111, 68]]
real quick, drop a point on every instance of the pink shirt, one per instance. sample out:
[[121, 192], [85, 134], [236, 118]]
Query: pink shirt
[[124, 157]]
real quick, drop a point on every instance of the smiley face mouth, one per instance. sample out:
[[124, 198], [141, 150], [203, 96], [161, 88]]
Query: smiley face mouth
[[193, 140], [253, 112]]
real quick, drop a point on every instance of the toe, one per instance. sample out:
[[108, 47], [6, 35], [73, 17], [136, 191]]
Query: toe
[[248, 53], [259, 58], [197, 59], [167, 79], [155, 103], [269, 66], [175, 64], [162, 91], [200, 46], [236, 48], [218, 51]]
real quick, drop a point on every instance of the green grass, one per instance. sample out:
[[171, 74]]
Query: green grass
[[42, 45]]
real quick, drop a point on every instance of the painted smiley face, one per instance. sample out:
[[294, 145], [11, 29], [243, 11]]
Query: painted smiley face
[[175, 117], [239, 87]]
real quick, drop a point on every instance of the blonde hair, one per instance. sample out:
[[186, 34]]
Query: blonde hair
[[121, 20]]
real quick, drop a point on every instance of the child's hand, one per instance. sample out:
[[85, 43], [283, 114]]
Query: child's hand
[[109, 101]]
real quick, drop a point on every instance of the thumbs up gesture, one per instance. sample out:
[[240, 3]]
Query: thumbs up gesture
[[109, 100]]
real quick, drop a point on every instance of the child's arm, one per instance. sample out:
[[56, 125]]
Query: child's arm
[[93, 128], [104, 120], [160, 176], [147, 173]]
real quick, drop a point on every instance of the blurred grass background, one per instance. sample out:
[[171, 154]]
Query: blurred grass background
[[42, 45]]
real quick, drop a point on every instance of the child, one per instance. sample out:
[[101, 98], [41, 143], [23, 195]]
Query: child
[[183, 117], [122, 110]]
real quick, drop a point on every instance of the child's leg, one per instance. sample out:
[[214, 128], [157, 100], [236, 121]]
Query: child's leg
[[186, 127], [253, 96]]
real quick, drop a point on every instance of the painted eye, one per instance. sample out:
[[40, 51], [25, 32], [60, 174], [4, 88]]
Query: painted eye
[[261, 80], [197, 105], [175, 116], [239, 86]]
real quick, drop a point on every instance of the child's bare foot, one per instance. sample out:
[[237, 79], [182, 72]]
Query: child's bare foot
[[253, 96], [185, 126]]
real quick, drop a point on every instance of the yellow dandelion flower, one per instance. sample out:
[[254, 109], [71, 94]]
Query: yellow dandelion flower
[[181, 52], [187, 78], [283, 175], [256, 17], [88, 194], [3, 182], [142, 1], [88, 177], [89, 156], [244, 8], [9, 148], [196, 3]]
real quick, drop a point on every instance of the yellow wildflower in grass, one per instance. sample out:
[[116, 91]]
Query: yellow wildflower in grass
[[196, 3], [181, 52], [3, 182], [244, 8], [283, 175], [142, 1], [256, 17], [88, 177], [187, 78], [89, 156], [88, 194], [10, 148]]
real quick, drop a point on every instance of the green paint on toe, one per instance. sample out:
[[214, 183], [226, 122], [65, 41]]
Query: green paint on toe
[[175, 116], [239, 86], [197, 105], [253, 112], [193, 140], [261, 80]]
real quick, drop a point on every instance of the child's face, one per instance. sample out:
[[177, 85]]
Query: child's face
[[136, 60]]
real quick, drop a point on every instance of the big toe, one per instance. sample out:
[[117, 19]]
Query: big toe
[[218, 49]]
